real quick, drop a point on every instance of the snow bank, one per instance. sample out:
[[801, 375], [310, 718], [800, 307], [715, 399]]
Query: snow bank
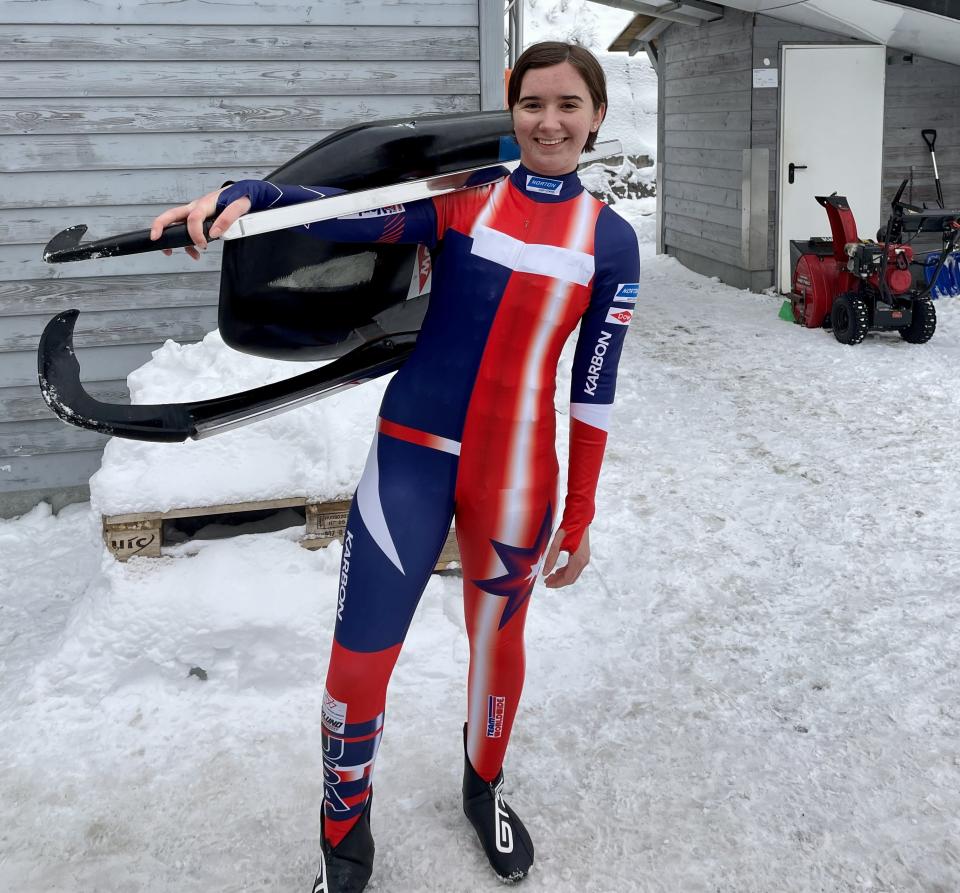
[[316, 451]]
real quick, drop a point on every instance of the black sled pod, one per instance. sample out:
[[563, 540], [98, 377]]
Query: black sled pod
[[287, 295]]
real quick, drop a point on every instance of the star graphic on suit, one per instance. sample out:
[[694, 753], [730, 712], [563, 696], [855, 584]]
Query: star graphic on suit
[[523, 565]]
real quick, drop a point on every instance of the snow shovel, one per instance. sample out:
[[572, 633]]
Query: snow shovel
[[930, 138], [945, 283]]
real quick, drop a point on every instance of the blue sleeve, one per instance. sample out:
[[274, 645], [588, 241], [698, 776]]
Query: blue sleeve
[[415, 222], [602, 331], [612, 304]]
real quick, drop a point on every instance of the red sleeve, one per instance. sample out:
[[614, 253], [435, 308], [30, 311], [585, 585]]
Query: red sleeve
[[587, 445]]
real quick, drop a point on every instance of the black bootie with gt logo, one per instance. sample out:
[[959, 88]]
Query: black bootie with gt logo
[[346, 867], [502, 835]]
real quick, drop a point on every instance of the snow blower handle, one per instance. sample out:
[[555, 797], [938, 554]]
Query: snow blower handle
[[930, 138]]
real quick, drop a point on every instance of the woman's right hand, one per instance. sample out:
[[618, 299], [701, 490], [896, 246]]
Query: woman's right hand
[[194, 213]]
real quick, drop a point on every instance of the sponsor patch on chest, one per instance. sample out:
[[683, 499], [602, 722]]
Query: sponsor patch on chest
[[543, 185]]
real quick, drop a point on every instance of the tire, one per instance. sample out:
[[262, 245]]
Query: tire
[[848, 318], [923, 324]]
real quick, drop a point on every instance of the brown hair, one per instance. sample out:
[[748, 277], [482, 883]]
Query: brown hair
[[554, 52]]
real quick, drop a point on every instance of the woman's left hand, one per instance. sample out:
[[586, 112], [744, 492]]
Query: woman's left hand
[[576, 561]]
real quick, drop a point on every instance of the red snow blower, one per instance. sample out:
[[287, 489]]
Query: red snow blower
[[854, 286]]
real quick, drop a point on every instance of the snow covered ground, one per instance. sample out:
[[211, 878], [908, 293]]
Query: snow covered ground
[[753, 688]]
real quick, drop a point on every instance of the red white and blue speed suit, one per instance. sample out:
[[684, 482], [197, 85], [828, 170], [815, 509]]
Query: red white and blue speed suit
[[467, 431]]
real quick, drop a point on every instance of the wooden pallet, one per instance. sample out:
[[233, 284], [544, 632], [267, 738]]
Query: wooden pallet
[[326, 522], [142, 533]]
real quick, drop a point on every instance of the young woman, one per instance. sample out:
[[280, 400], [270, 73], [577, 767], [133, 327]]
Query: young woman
[[466, 431]]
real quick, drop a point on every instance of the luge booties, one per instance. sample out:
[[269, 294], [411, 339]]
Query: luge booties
[[502, 835], [346, 867]]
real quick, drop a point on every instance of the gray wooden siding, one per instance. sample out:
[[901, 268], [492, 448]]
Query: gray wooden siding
[[705, 109], [714, 122], [111, 110], [918, 93], [921, 93], [710, 114]]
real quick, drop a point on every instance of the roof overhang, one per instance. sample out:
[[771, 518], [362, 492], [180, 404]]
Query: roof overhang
[[652, 19], [641, 34], [928, 28]]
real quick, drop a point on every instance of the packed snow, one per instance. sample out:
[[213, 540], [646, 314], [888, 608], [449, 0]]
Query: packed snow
[[316, 452], [754, 687]]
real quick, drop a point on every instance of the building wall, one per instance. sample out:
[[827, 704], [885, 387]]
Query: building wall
[[706, 128], [112, 111], [716, 129], [917, 95], [920, 93]]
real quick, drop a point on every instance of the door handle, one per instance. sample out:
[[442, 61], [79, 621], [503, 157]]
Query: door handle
[[793, 169]]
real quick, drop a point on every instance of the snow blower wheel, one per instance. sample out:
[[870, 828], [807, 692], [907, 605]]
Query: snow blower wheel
[[849, 319], [853, 286], [923, 324]]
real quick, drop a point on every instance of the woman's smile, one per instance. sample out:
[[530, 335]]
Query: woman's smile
[[553, 118]]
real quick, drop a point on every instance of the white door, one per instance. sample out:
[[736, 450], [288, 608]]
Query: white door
[[831, 129]]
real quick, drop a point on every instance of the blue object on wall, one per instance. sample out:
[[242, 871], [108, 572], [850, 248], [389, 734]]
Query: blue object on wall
[[948, 280]]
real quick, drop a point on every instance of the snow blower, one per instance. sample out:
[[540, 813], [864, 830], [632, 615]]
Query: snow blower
[[854, 286]]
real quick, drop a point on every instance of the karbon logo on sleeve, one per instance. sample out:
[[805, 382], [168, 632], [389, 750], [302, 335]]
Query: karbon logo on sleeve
[[544, 185], [596, 364]]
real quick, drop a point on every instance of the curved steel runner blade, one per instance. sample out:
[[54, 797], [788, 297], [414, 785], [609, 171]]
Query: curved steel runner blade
[[63, 244], [63, 391]]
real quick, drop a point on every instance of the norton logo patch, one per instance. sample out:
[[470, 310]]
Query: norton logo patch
[[544, 185], [627, 292]]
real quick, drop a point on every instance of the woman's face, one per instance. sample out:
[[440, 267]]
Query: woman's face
[[553, 118]]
